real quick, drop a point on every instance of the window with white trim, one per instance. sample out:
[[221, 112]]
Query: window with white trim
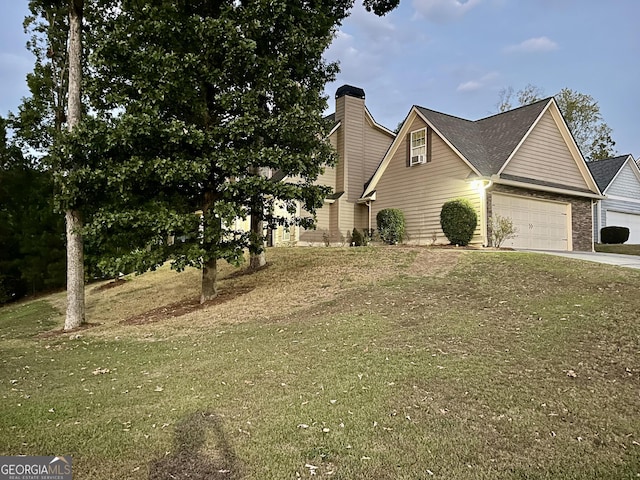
[[418, 147], [286, 234]]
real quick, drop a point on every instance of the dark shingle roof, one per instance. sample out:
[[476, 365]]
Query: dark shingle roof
[[603, 171], [331, 118], [488, 142]]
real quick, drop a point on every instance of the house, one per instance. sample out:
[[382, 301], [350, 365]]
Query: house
[[523, 164], [360, 143], [619, 179]]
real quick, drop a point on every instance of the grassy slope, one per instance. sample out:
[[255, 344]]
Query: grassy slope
[[623, 249], [397, 366]]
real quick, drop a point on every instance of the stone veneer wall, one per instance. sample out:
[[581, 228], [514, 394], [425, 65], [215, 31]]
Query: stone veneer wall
[[581, 213]]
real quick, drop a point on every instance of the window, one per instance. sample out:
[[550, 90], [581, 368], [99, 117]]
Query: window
[[418, 147], [286, 235]]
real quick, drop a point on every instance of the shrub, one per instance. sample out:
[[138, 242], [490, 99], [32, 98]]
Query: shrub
[[458, 220], [390, 225], [501, 229], [357, 238], [614, 234]]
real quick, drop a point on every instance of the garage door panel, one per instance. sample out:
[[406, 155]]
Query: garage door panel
[[629, 220], [540, 224]]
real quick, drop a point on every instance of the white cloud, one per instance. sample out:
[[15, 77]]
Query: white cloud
[[533, 45], [478, 83], [442, 11]]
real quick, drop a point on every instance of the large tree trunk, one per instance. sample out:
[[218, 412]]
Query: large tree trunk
[[209, 289], [257, 257], [75, 272], [75, 256]]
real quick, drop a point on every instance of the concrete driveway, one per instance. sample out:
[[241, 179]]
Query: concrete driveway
[[629, 261]]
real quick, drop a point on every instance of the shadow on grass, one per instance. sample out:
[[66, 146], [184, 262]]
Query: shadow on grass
[[201, 451]]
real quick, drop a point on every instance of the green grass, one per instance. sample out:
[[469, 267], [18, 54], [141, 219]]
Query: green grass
[[468, 374], [623, 249]]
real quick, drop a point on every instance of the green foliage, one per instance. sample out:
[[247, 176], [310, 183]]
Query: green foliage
[[196, 125], [41, 116], [32, 257], [458, 220], [391, 225], [582, 114], [614, 235], [360, 238], [501, 229]]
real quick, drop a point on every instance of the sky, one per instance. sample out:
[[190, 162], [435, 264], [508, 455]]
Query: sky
[[454, 56]]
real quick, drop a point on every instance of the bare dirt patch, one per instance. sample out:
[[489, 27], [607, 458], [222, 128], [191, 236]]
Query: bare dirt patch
[[184, 307], [112, 284]]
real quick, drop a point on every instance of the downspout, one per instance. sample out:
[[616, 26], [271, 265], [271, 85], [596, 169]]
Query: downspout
[[598, 220], [369, 223]]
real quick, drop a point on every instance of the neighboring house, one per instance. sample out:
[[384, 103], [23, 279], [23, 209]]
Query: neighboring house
[[618, 179], [360, 143], [523, 164]]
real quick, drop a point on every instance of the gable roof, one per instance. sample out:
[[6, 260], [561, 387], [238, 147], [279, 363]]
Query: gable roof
[[487, 143], [604, 171]]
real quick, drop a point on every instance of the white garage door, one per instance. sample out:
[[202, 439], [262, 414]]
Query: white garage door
[[541, 225], [629, 220]]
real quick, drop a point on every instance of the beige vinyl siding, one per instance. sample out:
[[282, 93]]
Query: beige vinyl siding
[[360, 147], [421, 190], [544, 155], [376, 144], [323, 225]]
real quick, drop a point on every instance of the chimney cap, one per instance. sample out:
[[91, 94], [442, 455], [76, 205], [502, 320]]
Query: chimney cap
[[351, 91]]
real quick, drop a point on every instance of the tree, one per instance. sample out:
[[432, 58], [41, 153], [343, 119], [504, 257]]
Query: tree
[[31, 234], [42, 116], [207, 95], [582, 114], [75, 315], [580, 111]]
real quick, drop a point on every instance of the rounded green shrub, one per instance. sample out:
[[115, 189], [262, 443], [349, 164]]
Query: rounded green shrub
[[615, 235], [390, 225], [458, 220]]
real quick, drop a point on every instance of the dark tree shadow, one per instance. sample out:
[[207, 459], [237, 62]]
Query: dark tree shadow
[[201, 452]]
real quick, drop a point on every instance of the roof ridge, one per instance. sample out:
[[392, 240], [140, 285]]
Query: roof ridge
[[544, 100], [445, 114]]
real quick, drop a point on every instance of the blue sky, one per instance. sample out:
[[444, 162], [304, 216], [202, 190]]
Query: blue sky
[[454, 56]]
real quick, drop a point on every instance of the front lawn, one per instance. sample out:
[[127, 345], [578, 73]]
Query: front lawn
[[623, 249], [367, 363]]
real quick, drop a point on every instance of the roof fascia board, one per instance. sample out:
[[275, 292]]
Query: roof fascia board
[[406, 125], [335, 128], [445, 140], [552, 107], [573, 146], [390, 153], [524, 137], [544, 188], [375, 124], [634, 169]]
